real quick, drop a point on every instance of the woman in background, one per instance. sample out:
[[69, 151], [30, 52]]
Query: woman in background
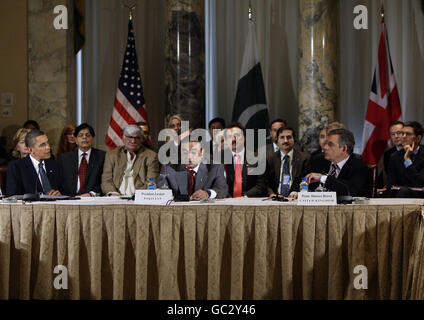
[[19, 148], [67, 140]]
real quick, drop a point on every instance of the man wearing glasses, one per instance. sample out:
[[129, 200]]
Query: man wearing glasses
[[82, 168], [406, 167], [130, 166]]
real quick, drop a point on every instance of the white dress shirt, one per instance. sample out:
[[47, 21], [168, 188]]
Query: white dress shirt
[[290, 154], [87, 157], [35, 163], [340, 165], [127, 186], [213, 193]]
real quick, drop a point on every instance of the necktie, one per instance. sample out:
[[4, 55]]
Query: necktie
[[237, 188], [191, 174], [334, 171], [82, 171], [44, 179], [285, 183]]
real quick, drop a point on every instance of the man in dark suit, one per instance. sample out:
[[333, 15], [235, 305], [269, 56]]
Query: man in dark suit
[[37, 172], [348, 174], [193, 177], [286, 167], [241, 165], [83, 168], [406, 167], [396, 136]]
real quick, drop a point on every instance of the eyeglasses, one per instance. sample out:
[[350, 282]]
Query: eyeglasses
[[397, 133], [137, 138]]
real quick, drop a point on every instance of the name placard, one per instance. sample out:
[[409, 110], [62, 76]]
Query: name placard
[[317, 199], [156, 197]]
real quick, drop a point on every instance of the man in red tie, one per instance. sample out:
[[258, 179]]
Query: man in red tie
[[193, 177], [240, 180], [82, 168]]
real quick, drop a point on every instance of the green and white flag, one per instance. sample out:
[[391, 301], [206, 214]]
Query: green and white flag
[[250, 106]]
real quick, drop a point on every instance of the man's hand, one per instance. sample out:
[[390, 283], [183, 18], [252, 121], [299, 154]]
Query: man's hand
[[272, 195], [292, 195], [53, 192], [85, 195], [200, 194], [313, 177], [408, 151]]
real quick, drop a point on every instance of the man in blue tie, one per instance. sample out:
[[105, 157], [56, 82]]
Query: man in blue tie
[[285, 168], [36, 173]]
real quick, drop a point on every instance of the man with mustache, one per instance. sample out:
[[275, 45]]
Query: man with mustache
[[193, 177], [286, 167], [129, 167]]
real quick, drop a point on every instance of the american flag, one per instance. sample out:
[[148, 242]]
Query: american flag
[[129, 106], [383, 105]]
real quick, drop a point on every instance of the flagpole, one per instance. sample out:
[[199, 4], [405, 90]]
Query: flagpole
[[131, 8], [382, 11], [250, 11]]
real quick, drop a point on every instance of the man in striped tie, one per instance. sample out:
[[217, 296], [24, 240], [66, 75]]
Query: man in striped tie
[[348, 174]]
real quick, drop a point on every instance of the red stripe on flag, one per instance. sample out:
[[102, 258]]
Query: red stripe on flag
[[382, 66], [123, 113], [116, 127], [143, 113], [110, 143]]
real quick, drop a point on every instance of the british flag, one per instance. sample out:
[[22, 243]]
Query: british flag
[[129, 106], [383, 105]]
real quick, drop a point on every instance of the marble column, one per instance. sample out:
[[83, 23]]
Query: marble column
[[49, 71], [317, 85], [185, 60]]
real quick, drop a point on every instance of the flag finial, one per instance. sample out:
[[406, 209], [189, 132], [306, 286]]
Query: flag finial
[[382, 11], [250, 11], [131, 7]]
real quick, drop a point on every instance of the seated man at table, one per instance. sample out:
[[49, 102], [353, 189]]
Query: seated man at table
[[37, 172], [286, 167], [83, 168], [130, 166], [406, 167], [348, 174], [193, 177]]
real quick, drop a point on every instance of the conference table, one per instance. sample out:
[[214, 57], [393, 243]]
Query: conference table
[[109, 248]]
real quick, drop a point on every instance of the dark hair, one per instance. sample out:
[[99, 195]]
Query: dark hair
[[83, 126], [33, 123], [281, 129], [31, 136], [345, 138], [141, 123], [394, 123], [220, 120], [418, 129], [278, 120], [236, 124]]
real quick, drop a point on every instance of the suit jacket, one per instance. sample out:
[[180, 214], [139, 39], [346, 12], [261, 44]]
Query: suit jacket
[[298, 163], [145, 166], [93, 178], [352, 179], [252, 185], [22, 177], [208, 177], [387, 155], [398, 175]]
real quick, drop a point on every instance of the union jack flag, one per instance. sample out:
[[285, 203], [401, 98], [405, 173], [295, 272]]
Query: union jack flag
[[129, 106], [383, 105]]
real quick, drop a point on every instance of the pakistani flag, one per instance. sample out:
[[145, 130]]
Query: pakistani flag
[[250, 107]]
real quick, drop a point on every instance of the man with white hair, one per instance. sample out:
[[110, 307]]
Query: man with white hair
[[130, 166]]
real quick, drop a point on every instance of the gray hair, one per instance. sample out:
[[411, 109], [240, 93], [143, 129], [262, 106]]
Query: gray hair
[[345, 138], [132, 129], [31, 136]]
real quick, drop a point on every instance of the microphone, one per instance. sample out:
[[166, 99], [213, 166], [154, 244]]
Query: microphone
[[29, 197]]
